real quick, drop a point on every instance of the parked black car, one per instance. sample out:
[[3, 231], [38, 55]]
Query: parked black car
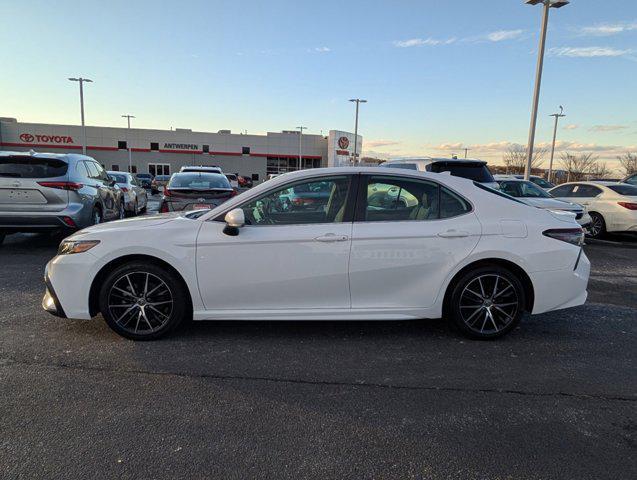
[[193, 191]]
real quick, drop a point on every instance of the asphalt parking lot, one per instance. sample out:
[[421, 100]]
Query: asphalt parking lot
[[555, 399]]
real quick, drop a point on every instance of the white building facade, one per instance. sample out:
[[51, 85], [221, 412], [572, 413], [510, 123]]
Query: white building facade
[[162, 152]]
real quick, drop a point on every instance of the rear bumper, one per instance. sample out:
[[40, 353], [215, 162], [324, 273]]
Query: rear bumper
[[34, 223], [555, 290]]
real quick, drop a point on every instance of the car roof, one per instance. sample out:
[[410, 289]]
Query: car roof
[[436, 159], [60, 156]]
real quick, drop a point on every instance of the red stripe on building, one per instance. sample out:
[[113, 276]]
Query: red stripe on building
[[148, 150]]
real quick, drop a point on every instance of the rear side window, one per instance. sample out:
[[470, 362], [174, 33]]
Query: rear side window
[[23, 166], [629, 190], [477, 172], [452, 205]]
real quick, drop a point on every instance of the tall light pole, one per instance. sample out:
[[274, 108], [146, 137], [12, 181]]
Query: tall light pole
[[301, 146], [557, 117], [548, 4], [81, 81], [130, 154], [358, 101]]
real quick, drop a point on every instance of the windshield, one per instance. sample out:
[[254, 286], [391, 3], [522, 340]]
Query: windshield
[[23, 166], [199, 181], [520, 189], [475, 171], [542, 183], [497, 192], [118, 177], [629, 190], [144, 175]]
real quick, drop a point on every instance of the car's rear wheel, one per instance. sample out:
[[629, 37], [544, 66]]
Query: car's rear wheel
[[143, 301], [598, 226], [487, 302]]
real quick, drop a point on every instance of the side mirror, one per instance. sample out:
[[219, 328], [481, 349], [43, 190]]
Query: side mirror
[[235, 219]]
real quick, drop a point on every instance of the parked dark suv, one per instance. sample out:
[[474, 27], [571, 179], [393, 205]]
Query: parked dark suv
[[48, 191]]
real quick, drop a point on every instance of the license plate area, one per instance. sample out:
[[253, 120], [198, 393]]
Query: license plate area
[[21, 195]]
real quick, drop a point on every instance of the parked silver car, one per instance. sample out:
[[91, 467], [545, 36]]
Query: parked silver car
[[48, 191], [135, 196]]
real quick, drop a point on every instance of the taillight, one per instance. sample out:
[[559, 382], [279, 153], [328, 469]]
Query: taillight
[[167, 193], [62, 185], [628, 205], [574, 236], [234, 193], [68, 221], [163, 208], [124, 189]]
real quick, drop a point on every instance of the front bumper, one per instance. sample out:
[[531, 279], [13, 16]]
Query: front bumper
[[50, 301]]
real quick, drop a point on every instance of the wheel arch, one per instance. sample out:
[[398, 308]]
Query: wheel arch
[[487, 262], [93, 296]]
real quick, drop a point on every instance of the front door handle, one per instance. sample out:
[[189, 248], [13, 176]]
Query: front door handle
[[454, 234], [331, 237]]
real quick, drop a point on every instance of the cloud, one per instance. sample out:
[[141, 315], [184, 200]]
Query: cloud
[[322, 49], [418, 42], [588, 52], [607, 128], [608, 29], [502, 35], [380, 143], [572, 126]]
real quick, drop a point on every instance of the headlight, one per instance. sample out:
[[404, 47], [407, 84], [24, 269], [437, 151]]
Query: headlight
[[67, 247]]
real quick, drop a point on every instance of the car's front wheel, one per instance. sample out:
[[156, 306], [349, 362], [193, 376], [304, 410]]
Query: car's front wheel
[[487, 302], [143, 301]]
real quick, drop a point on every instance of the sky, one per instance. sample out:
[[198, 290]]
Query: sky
[[439, 75]]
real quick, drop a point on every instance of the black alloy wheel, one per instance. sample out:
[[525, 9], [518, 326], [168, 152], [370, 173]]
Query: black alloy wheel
[[487, 302], [143, 301]]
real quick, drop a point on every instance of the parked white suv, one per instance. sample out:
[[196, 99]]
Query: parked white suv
[[475, 170]]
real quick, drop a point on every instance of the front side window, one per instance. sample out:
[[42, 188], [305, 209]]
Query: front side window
[[309, 201], [562, 191]]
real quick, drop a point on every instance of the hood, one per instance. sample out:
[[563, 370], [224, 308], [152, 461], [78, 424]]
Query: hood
[[551, 203], [131, 223]]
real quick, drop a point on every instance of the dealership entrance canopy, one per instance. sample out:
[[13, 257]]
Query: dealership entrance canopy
[[165, 151]]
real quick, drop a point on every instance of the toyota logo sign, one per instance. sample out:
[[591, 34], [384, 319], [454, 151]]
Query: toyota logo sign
[[343, 142], [27, 137]]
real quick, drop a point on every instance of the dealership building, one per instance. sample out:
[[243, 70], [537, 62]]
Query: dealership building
[[162, 152]]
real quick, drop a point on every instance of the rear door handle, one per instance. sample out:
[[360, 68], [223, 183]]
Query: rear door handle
[[331, 237], [454, 234]]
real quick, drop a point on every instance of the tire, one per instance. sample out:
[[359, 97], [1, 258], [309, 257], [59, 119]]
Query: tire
[[143, 317], [2, 237], [122, 211], [487, 302], [135, 209], [598, 226]]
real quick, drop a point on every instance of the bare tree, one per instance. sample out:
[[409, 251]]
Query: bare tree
[[628, 162], [515, 159], [599, 170], [578, 166]]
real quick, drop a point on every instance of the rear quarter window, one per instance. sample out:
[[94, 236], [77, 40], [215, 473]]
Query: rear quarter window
[[23, 166]]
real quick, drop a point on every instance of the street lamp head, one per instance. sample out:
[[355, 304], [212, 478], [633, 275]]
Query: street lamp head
[[74, 79], [552, 3], [88, 80], [359, 100]]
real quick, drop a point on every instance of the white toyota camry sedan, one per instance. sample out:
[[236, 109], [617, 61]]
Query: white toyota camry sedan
[[328, 244]]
